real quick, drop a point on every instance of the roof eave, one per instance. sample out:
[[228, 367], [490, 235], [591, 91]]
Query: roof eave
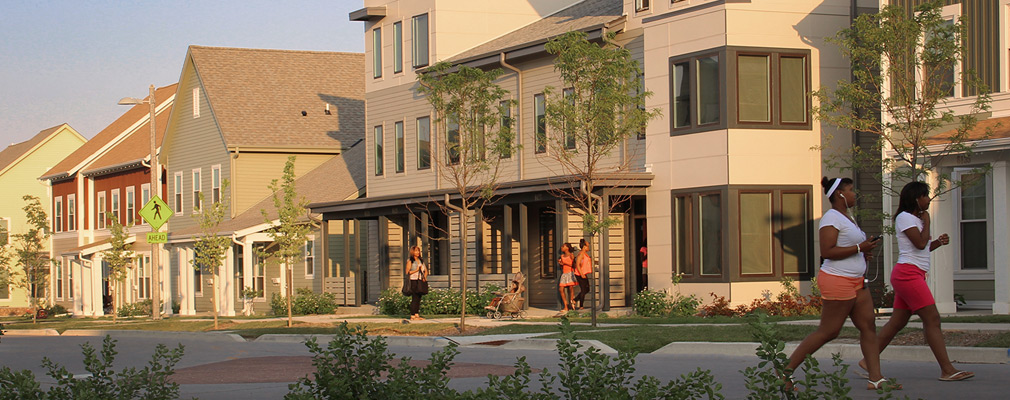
[[533, 48], [367, 14], [115, 168]]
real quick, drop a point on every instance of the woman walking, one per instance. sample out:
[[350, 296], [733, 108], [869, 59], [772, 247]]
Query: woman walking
[[418, 275], [845, 249], [911, 294], [567, 282], [583, 272]]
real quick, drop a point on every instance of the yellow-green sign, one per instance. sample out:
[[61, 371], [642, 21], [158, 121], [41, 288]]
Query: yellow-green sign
[[157, 237], [156, 213]]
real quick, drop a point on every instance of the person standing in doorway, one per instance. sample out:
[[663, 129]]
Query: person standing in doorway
[[583, 273], [418, 275], [567, 282]]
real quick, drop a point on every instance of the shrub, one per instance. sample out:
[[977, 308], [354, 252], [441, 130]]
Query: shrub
[[438, 301], [305, 302], [151, 382], [657, 303], [55, 310], [139, 308]]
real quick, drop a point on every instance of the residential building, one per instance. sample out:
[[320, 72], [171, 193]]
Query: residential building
[[20, 165], [241, 113], [107, 178]]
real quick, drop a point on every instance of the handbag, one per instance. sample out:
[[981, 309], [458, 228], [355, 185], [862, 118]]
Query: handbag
[[406, 287], [422, 287]]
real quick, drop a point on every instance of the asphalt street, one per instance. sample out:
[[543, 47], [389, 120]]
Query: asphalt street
[[26, 352]]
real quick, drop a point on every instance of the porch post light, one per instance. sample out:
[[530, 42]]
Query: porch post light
[[156, 306]]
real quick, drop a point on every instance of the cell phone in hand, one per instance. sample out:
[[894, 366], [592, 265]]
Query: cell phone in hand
[[876, 238]]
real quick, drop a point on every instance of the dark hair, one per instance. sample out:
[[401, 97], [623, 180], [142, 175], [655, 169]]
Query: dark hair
[[908, 200], [411, 254], [566, 244], [582, 243], [826, 183]]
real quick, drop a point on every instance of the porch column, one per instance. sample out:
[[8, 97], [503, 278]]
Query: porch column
[[186, 300], [97, 289], [77, 272], [524, 250], [506, 243], [1001, 238], [226, 291], [604, 254], [247, 264], [941, 272], [164, 257]]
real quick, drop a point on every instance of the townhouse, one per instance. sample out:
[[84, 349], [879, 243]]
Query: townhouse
[[20, 165], [241, 113], [106, 178]]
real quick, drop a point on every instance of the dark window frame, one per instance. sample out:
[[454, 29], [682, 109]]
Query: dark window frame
[[417, 133], [399, 156], [379, 149]]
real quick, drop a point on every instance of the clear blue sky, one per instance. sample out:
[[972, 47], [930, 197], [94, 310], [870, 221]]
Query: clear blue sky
[[71, 61]]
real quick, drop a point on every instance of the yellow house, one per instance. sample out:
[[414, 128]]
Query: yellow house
[[20, 166]]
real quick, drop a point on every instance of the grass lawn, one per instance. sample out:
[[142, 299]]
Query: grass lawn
[[993, 319], [1002, 341], [522, 328], [634, 319], [256, 329]]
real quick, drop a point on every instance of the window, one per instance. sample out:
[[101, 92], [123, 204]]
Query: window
[[796, 232], [70, 281], [398, 144], [974, 221], [177, 190], [423, 143], [377, 53], [197, 184], [397, 47], [569, 140], [131, 205], [711, 234], [259, 274], [5, 231], [196, 102], [641, 5], [101, 217], [682, 240], [377, 136], [144, 277], [641, 105], [71, 212], [310, 258], [58, 214], [145, 196], [419, 37], [704, 86], [506, 125], [540, 121], [793, 89], [215, 184], [756, 233], [452, 139], [198, 279], [114, 207], [58, 265], [698, 216], [753, 80], [708, 89]]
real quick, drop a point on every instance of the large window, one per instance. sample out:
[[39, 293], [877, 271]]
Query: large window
[[377, 139], [397, 47], [377, 53], [131, 205], [145, 196], [758, 88], [974, 222], [58, 214], [398, 145], [423, 143], [71, 212], [419, 36], [215, 184], [540, 121], [100, 217], [115, 205]]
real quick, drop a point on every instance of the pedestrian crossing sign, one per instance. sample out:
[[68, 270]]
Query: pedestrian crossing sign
[[156, 212]]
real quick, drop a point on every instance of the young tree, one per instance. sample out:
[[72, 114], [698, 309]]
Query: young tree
[[119, 257], [906, 107], [600, 109], [475, 133], [291, 226], [25, 264], [211, 248]]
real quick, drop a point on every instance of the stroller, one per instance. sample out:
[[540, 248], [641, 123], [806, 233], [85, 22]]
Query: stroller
[[509, 303]]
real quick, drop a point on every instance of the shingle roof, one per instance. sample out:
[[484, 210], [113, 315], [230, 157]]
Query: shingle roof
[[135, 147], [584, 15], [116, 128], [997, 128], [337, 179], [16, 150], [258, 96]]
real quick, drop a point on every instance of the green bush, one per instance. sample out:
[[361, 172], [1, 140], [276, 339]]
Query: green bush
[[438, 301], [151, 382], [139, 308], [657, 303], [305, 302], [55, 310]]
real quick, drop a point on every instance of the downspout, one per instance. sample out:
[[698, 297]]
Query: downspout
[[519, 110], [232, 184]]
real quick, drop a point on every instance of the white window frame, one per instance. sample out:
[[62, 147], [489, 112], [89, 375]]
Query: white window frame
[[58, 289], [58, 214], [143, 276], [131, 205], [177, 191], [197, 275], [116, 205], [197, 179], [215, 184], [258, 263], [196, 102], [70, 281], [1004, 44], [415, 58], [100, 210], [397, 30], [309, 257], [145, 196], [377, 52], [71, 212], [642, 5], [972, 274], [5, 226]]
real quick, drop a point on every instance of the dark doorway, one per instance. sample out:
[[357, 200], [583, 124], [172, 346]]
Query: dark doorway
[[543, 287]]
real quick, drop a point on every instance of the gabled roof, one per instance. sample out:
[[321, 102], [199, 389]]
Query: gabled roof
[[585, 15], [340, 178], [258, 96], [134, 149], [16, 150], [102, 143]]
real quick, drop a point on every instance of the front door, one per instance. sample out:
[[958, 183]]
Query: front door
[[543, 271]]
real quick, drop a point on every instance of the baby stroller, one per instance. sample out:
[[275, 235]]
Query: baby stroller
[[509, 303]]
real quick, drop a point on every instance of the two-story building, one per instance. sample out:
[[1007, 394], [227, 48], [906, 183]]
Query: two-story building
[[106, 178], [20, 165], [240, 114]]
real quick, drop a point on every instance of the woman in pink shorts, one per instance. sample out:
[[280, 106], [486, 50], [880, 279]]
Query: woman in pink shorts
[[911, 294]]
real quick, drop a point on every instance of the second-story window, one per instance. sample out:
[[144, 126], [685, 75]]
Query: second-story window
[[145, 196], [100, 219], [310, 257], [452, 139], [506, 124], [642, 5], [71, 212], [397, 47], [177, 192], [540, 123], [131, 205], [419, 39], [58, 215], [423, 143], [398, 145], [377, 53], [215, 184], [197, 185], [114, 209], [379, 162], [5, 231], [569, 96]]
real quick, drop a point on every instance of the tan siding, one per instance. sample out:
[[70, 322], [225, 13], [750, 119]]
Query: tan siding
[[255, 171], [372, 266], [395, 240], [385, 107]]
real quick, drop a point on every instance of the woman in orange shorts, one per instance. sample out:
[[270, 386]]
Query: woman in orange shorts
[[845, 250], [567, 282]]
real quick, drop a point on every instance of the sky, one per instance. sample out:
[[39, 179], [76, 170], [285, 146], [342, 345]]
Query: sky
[[71, 61]]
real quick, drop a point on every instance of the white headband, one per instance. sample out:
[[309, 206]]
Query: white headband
[[834, 186]]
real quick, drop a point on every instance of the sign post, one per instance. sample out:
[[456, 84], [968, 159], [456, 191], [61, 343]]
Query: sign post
[[156, 213]]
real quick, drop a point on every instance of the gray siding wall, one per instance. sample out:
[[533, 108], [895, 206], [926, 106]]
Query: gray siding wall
[[975, 290]]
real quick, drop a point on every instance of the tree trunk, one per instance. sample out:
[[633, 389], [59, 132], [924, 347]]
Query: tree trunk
[[112, 292], [213, 298], [463, 220], [290, 290]]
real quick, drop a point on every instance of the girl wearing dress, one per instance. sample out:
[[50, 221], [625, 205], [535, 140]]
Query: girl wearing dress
[[567, 282]]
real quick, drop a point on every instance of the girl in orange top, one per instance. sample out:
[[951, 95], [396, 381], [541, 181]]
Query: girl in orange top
[[567, 277], [583, 270]]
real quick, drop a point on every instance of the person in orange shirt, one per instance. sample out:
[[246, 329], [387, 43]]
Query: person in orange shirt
[[583, 271], [567, 281]]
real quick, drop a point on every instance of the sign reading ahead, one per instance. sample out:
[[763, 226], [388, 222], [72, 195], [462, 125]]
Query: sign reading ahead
[[156, 213], [157, 237]]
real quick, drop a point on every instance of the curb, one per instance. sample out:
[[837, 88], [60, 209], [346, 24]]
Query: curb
[[975, 355], [133, 333], [31, 332]]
